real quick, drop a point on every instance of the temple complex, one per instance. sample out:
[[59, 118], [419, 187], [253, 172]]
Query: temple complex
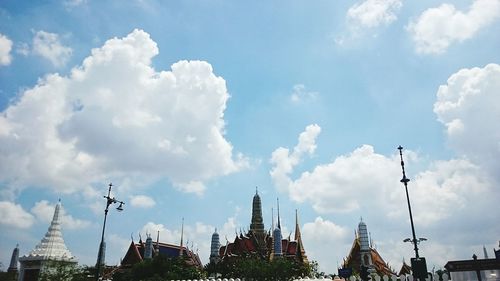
[[50, 252], [363, 254], [265, 244]]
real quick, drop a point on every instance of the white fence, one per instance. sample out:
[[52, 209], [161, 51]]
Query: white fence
[[434, 277]]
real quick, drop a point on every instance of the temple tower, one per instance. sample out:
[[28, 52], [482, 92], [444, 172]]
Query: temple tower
[[257, 224], [277, 237], [301, 252], [12, 271], [49, 251], [14, 260], [364, 242], [214, 248], [148, 251]]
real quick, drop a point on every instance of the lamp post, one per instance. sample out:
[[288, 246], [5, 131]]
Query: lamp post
[[419, 266], [109, 200]]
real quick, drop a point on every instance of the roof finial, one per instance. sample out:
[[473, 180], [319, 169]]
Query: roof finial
[[256, 190]]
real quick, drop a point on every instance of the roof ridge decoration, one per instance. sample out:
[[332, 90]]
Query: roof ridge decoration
[[52, 246]]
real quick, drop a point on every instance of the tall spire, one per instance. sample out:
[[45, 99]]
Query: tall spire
[[182, 236], [158, 240], [301, 252], [52, 245], [272, 220], [278, 202], [14, 260], [257, 224]]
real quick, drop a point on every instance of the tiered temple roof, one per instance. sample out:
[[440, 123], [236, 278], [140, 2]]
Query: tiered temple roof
[[353, 260], [136, 251]]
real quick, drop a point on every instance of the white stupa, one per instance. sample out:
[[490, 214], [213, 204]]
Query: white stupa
[[51, 249]]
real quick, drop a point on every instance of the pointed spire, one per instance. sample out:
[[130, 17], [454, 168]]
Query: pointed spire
[[14, 260], [182, 235], [158, 240], [257, 223], [485, 253], [272, 219], [52, 245], [301, 252], [278, 202]]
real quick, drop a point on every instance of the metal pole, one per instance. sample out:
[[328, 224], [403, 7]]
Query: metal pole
[[405, 181], [100, 252]]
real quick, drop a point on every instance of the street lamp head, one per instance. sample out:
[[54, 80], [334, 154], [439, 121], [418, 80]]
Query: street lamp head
[[120, 208], [407, 240], [422, 239]]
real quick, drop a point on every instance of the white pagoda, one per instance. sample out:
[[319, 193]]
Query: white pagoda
[[48, 253]]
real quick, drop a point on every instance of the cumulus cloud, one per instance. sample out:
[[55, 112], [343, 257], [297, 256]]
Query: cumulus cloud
[[44, 212], [115, 117], [437, 28], [142, 201], [5, 48], [284, 161], [372, 13], [323, 234], [443, 196], [468, 106], [49, 46], [13, 215]]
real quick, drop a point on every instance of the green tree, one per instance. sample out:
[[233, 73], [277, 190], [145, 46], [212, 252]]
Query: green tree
[[160, 268], [63, 271], [254, 267]]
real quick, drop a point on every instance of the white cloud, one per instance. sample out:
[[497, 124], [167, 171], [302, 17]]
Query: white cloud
[[468, 106], [372, 13], [300, 94], [48, 46], [323, 234], [44, 212], [284, 161], [5, 48], [437, 28], [444, 196], [115, 117], [13, 215], [142, 201]]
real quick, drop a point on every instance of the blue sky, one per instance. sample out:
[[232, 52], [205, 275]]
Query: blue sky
[[188, 106]]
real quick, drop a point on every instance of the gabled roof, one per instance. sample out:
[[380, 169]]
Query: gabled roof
[[405, 269], [353, 260], [135, 253]]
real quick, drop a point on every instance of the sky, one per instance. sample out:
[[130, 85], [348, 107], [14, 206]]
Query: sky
[[188, 106]]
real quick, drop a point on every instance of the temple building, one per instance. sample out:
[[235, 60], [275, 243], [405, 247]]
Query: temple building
[[50, 252], [266, 244], [137, 252], [363, 254]]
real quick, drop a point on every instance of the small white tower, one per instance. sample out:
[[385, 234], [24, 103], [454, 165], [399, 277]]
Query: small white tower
[[50, 250], [364, 245]]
